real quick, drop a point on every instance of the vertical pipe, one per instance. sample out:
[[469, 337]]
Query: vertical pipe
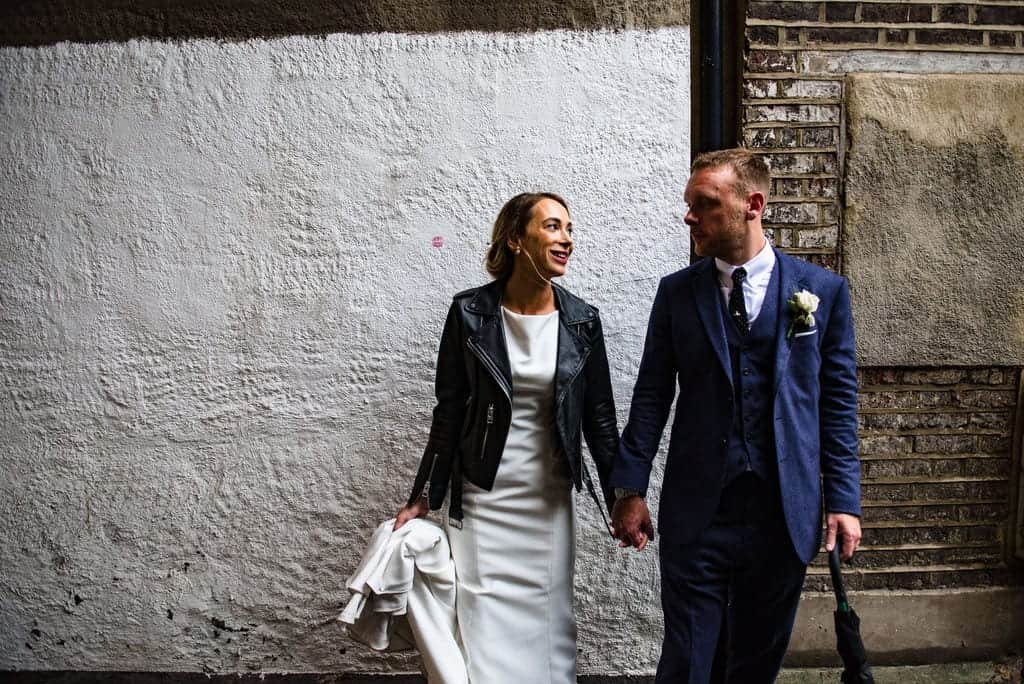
[[711, 81]]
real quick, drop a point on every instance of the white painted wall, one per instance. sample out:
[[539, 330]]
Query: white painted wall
[[220, 304]]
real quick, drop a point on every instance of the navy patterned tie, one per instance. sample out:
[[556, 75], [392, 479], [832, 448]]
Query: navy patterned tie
[[737, 307]]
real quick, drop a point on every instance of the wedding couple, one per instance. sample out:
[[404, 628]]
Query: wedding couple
[[759, 348]]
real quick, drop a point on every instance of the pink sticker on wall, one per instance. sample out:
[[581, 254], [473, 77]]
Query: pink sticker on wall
[[437, 241]]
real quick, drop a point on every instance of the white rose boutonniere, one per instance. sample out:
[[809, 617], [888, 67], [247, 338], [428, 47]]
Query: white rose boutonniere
[[802, 306]]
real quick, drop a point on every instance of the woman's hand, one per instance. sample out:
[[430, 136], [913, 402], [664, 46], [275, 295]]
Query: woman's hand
[[414, 510]]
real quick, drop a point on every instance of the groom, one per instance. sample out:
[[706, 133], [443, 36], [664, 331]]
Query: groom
[[760, 346]]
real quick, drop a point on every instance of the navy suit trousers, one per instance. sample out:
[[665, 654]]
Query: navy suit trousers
[[742, 568]]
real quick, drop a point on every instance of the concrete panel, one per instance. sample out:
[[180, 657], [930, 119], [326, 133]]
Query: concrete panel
[[101, 20], [225, 269], [932, 241], [907, 62], [914, 628]]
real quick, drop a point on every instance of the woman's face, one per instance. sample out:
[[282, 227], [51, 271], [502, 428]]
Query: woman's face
[[547, 241]]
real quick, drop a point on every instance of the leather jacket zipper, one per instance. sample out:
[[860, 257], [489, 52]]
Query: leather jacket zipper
[[492, 369], [558, 407], [487, 430]]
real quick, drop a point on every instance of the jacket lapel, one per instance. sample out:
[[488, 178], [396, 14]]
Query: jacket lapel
[[789, 282], [572, 350], [709, 307], [490, 338]]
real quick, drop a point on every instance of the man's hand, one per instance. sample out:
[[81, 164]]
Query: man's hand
[[848, 527], [631, 522]]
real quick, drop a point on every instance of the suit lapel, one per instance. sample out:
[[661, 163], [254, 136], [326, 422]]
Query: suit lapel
[[709, 307], [789, 282]]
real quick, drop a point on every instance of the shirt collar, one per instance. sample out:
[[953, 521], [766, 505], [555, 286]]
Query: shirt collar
[[759, 268]]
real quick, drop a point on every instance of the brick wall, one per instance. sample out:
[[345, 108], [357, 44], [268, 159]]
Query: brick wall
[[936, 462], [956, 26], [936, 443]]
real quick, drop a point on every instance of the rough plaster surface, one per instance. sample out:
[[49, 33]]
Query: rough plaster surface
[[932, 243], [225, 269]]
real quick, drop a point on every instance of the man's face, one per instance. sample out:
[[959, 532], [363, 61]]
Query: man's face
[[715, 213]]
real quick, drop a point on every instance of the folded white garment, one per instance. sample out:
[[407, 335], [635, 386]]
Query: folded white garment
[[403, 596]]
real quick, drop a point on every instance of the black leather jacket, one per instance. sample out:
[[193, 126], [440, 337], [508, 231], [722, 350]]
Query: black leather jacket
[[474, 397]]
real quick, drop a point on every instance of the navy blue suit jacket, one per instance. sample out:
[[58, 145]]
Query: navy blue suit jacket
[[814, 407]]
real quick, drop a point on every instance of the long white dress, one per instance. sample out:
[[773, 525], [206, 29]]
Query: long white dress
[[514, 555]]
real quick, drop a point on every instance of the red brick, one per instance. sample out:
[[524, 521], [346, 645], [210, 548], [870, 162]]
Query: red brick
[[896, 467], [827, 260], [994, 444], [976, 512], [786, 187], [942, 376], [896, 36], [771, 61], [878, 376], [842, 35], [999, 421], [916, 421], [986, 398], [822, 187], [885, 444], [954, 14], [784, 11], [1002, 39], [876, 492], [895, 13], [840, 11], [818, 137], [952, 491], [948, 37], [907, 400], [945, 444], [991, 376], [1012, 15], [763, 35], [987, 467]]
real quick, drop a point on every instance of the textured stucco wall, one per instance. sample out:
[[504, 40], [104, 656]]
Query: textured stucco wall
[[223, 272], [933, 243]]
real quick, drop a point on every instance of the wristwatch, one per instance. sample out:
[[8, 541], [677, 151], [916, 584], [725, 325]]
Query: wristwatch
[[622, 493]]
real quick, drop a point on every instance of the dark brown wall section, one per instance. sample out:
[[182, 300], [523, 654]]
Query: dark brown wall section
[[88, 21]]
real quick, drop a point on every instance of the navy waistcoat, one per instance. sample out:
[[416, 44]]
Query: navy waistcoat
[[752, 438]]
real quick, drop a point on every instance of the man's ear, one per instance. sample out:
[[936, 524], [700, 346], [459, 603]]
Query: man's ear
[[755, 205]]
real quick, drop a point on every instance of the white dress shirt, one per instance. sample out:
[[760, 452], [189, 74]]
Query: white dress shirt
[[759, 273]]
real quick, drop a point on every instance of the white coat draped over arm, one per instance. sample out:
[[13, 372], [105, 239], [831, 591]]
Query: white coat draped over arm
[[403, 596]]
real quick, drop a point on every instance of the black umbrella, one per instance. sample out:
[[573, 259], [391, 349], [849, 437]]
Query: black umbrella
[[848, 641]]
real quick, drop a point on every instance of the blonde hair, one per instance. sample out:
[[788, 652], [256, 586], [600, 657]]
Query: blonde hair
[[752, 172], [511, 224]]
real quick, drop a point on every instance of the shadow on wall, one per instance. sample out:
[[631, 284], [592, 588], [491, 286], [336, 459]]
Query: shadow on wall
[[89, 21]]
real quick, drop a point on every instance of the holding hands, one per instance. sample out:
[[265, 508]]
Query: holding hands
[[631, 522]]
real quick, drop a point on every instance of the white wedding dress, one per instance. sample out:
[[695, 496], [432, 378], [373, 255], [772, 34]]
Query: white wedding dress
[[514, 555]]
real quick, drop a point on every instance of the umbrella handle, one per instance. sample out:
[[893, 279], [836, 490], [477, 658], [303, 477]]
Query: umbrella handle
[[837, 579]]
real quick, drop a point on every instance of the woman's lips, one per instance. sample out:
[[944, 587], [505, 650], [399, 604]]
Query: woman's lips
[[560, 257]]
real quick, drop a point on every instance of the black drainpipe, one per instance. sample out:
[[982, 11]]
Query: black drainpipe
[[711, 80]]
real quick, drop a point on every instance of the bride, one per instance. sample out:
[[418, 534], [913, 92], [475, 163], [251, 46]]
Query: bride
[[521, 372]]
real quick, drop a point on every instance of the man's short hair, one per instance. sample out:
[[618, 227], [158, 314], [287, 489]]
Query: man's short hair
[[752, 173]]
